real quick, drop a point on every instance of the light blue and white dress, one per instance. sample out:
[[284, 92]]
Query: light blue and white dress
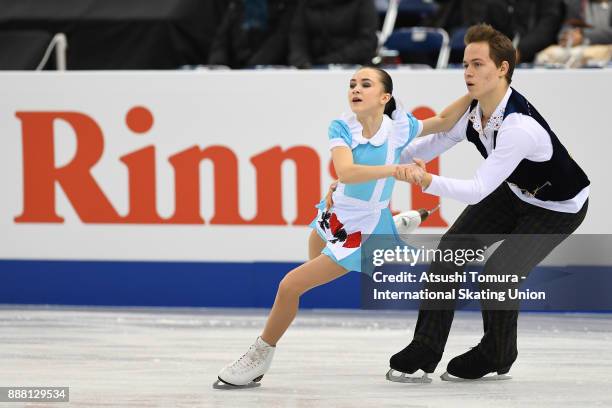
[[362, 209]]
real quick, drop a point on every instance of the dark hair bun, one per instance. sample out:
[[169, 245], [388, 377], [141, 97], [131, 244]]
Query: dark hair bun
[[390, 106]]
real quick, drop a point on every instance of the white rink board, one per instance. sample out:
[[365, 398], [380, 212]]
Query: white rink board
[[249, 113]]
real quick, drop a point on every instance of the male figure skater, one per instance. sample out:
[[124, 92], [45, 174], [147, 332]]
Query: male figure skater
[[527, 184]]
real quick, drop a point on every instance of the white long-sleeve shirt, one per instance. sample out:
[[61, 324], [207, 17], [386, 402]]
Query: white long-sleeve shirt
[[519, 137]]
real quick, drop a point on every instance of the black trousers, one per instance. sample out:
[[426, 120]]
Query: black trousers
[[524, 246]]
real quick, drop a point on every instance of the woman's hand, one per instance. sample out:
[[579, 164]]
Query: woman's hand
[[410, 173], [414, 173], [328, 197]]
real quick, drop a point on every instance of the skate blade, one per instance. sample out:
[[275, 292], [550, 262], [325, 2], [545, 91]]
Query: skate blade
[[402, 378], [222, 385], [495, 377]]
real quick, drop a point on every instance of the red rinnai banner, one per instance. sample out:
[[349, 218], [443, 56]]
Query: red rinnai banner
[[42, 177]]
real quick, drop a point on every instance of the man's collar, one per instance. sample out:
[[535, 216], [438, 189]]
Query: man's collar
[[496, 119]]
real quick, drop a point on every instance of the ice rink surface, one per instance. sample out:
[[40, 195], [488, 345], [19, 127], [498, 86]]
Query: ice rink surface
[[170, 358]]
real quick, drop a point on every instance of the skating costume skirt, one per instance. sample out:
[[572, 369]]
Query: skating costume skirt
[[344, 247], [361, 210]]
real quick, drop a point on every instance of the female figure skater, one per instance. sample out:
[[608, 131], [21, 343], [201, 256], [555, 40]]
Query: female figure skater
[[366, 146]]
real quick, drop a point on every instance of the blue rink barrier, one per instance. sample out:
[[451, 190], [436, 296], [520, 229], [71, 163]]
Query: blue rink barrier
[[224, 284], [189, 284]]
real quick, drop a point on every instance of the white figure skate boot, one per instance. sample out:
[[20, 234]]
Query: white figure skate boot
[[409, 221], [248, 370]]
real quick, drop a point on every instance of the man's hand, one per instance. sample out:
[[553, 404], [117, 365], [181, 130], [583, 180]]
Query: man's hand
[[328, 197], [426, 179], [414, 174], [410, 173]]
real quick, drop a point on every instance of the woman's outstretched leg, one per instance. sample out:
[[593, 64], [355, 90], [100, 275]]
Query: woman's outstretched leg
[[315, 245], [313, 273], [250, 368]]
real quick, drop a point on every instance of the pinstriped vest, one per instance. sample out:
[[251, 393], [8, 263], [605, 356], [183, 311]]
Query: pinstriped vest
[[557, 179]]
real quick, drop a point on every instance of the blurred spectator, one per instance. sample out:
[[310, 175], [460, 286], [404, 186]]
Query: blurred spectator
[[253, 32], [410, 13], [586, 37], [333, 32], [587, 22], [533, 24], [455, 14]]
